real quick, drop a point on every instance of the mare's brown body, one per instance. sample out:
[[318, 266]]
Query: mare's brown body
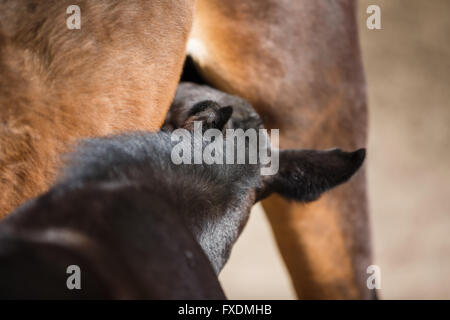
[[297, 62], [117, 73]]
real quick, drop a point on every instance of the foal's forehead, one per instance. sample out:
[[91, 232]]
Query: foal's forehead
[[191, 93]]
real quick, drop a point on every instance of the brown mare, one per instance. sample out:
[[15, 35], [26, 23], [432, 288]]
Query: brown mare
[[298, 63]]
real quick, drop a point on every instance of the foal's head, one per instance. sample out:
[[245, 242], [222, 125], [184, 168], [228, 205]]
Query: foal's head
[[230, 189]]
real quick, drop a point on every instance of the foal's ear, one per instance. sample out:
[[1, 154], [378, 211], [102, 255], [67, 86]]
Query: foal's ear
[[222, 117], [210, 114], [305, 174]]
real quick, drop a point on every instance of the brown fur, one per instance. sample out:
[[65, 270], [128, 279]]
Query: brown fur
[[298, 63], [118, 73]]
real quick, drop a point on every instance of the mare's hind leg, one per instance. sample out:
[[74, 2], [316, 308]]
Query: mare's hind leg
[[298, 63]]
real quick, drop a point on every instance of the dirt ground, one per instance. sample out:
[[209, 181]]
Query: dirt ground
[[408, 73]]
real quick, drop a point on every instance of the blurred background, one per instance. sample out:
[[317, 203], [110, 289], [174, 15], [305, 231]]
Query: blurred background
[[407, 66]]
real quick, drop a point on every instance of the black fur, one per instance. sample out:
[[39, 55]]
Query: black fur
[[140, 226], [306, 174]]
